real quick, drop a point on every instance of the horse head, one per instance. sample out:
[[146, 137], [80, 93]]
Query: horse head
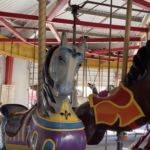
[[61, 65], [64, 64]]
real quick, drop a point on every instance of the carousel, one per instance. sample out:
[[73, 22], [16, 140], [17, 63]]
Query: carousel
[[56, 122]]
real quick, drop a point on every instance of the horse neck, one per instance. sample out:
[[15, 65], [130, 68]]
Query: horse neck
[[59, 102], [147, 75]]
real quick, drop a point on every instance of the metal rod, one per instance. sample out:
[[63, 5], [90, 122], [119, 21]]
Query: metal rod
[[99, 76], [74, 30], [41, 44], [33, 67], [117, 69], [106, 141], [105, 18], [109, 44], [126, 39], [91, 2], [86, 78], [83, 77]]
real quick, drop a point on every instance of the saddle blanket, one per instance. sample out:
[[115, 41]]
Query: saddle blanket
[[120, 105]]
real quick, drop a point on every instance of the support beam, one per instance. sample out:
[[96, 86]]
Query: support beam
[[126, 40], [68, 31], [93, 34], [60, 4], [112, 55], [54, 31], [97, 25], [32, 28], [96, 58], [70, 22], [12, 29], [106, 60], [141, 3], [112, 50], [105, 14], [9, 70], [92, 40]]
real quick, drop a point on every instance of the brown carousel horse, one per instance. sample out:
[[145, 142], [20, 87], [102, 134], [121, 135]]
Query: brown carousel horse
[[126, 109]]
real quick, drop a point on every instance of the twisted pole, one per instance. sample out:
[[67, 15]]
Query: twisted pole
[[126, 39], [41, 44]]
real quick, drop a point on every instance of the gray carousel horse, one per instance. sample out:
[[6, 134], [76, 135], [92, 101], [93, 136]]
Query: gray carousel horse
[[52, 124]]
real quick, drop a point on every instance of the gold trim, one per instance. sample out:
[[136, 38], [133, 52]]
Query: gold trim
[[23, 126], [50, 120], [6, 138], [132, 100], [14, 138], [55, 129], [47, 141], [18, 136], [16, 147], [27, 134], [35, 132]]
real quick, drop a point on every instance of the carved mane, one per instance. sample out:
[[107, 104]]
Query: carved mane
[[47, 83], [138, 69]]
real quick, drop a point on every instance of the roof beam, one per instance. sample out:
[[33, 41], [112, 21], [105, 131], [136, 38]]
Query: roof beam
[[12, 29], [54, 31], [68, 31], [32, 28], [106, 60], [102, 14], [141, 3], [91, 40], [70, 22], [93, 34], [60, 4], [112, 50], [97, 25]]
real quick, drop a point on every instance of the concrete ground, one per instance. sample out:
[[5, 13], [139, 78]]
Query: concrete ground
[[112, 144]]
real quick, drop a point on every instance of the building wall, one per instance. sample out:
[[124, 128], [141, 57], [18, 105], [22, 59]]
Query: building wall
[[2, 71], [20, 79]]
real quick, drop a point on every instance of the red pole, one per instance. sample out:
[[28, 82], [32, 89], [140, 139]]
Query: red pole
[[9, 70]]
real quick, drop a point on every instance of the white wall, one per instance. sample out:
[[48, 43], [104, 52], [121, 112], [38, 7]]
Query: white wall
[[20, 79], [2, 72]]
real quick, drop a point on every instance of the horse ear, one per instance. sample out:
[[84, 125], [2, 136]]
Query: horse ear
[[82, 46], [64, 40]]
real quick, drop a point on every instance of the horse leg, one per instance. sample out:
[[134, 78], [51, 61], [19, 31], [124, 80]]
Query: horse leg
[[89, 131], [97, 137]]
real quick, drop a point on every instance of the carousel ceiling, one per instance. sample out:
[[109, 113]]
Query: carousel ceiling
[[91, 13]]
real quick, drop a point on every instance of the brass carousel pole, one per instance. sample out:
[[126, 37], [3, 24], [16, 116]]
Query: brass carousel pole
[[41, 44], [83, 76], [117, 70], [126, 39], [125, 58], [99, 76]]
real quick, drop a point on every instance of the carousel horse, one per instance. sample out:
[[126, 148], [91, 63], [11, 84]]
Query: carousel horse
[[51, 124], [126, 109]]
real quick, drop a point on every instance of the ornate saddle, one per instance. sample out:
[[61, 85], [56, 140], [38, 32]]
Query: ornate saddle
[[15, 114], [120, 105]]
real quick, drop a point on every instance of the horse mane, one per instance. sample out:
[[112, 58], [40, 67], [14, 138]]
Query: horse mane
[[47, 83], [139, 67]]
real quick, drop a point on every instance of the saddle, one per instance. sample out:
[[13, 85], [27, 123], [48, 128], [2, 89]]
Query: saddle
[[119, 105], [15, 114]]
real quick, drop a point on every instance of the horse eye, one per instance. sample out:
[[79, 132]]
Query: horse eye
[[60, 58], [80, 65]]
